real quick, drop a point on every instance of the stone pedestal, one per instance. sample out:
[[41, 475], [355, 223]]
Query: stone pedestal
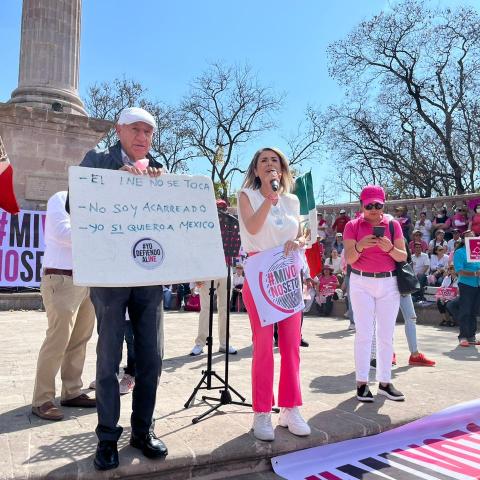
[[41, 145]]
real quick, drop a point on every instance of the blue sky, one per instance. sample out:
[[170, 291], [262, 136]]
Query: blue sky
[[164, 45]]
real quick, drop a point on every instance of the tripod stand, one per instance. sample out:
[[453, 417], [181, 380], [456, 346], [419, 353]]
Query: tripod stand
[[231, 246]]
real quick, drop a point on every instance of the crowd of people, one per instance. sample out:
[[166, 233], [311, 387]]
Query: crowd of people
[[432, 243], [359, 263]]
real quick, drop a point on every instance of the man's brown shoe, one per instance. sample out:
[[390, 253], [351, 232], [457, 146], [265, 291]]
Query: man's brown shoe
[[82, 401], [48, 411]]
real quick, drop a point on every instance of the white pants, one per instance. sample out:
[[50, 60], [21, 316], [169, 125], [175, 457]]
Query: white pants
[[220, 286], [374, 299]]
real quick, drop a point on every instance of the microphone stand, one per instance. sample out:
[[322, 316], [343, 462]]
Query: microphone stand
[[231, 250]]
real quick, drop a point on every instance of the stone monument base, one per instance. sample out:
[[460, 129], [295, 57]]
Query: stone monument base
[[41, 145]]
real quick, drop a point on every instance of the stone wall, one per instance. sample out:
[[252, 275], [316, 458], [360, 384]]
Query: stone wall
[[414, 206], [41, 145]]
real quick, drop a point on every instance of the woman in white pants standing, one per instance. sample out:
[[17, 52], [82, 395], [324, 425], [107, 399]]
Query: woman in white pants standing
[[374, 295]]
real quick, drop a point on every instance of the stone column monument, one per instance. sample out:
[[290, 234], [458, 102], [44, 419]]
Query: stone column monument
[[44, 125], [50, 55]]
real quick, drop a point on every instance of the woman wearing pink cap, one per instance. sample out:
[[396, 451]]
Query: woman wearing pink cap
[[374, 295]]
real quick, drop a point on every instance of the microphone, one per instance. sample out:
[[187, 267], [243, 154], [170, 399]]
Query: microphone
[[275, 185]]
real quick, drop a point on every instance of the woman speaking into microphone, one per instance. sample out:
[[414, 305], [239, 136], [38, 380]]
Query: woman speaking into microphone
[[269, 218], [372, 252]]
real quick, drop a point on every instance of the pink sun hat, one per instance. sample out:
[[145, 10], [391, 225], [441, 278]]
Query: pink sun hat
[[372, 194]]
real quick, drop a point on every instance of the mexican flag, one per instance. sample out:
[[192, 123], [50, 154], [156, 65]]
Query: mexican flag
[[309, 222], [7, 196], [308, 210]]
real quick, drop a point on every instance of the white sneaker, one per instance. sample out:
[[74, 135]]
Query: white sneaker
[[351, 327], [92, 385], [291, 418], [126, 384], [196, 350], [262, 427], [231, 350]]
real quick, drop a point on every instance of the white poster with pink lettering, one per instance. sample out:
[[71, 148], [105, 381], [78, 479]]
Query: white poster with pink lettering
[[275, 283], [445, 445], [472, 244]]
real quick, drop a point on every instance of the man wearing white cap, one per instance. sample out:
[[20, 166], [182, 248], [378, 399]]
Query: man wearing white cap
[[135, 129], [340, 222]]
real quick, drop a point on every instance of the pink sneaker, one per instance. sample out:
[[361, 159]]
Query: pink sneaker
[[394, 359], [420, 360]]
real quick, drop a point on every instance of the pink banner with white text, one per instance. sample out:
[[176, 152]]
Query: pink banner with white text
[[21, 248]]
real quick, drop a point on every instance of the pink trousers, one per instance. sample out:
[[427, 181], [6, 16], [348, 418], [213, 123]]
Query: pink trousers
[[289, 333]]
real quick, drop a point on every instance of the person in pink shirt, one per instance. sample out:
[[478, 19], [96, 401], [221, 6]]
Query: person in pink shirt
[[327, 284], [371, 252], [474, 223], [459, 220], [417, 238], [340, 222]]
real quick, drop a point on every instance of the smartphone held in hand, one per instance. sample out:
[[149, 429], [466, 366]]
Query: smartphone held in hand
[[379, 231]]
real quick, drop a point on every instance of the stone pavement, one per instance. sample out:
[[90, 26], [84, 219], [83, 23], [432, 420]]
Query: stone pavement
[[220, 446]]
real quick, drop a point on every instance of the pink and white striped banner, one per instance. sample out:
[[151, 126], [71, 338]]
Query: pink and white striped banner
[[445, 445]]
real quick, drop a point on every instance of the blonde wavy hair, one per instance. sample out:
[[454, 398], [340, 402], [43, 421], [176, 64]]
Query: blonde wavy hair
[[252, 181]]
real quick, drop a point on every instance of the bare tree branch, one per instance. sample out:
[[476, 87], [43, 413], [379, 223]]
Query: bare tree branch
[[421, 66], [226, 107]]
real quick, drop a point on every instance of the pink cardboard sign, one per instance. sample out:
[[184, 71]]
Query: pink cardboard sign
[[472, 244], [446, 293]]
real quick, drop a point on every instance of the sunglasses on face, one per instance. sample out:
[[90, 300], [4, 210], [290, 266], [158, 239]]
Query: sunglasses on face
[[376, 206]]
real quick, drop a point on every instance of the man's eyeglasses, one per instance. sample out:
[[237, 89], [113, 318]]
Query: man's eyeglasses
[[376, 206]]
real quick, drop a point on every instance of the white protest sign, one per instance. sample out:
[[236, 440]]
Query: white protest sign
[[130, 230], [275, 283]]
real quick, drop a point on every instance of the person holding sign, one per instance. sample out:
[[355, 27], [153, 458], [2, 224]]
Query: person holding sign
[[469, 286], [327, 284], [269, 217], [374, 294], [446, 293], [135, 129]]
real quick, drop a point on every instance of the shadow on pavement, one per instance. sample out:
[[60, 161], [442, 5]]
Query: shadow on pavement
[[173, 363], [22, 418], [468, 354], [337, 335], [338, 384]]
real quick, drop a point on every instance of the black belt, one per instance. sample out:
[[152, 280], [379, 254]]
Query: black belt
[[375, 274], [57, 271]]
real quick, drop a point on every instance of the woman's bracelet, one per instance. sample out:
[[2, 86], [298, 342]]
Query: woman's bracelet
[[393, 246], [357, 250]]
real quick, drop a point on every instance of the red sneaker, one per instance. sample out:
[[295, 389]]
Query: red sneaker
[[394, 359], [464, 342], [420, 360]]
